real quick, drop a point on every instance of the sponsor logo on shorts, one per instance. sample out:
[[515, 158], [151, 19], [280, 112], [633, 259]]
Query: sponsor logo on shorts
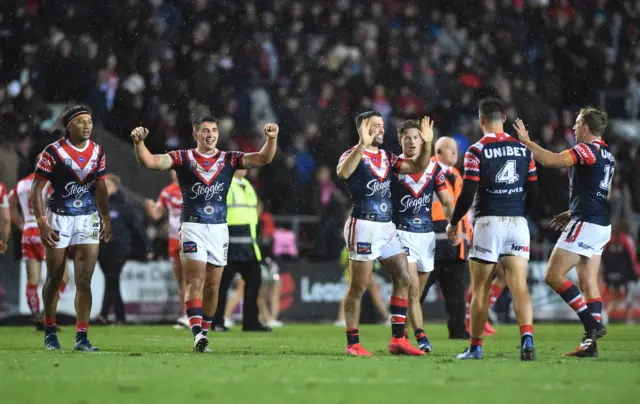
[[225, 249], [481, 249], [406, 251], [585, 246], [519, 247], [363, 248], [189, 247]]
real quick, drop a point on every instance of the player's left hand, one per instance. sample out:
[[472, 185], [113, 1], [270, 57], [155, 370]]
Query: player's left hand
[[105, 233], [271, 130], [426, 129], [521, 130], [452, 234]]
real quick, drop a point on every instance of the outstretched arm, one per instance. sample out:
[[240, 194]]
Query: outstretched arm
[[268, 151], [350, 160], [545, 157], [408, 166], [158, 162]]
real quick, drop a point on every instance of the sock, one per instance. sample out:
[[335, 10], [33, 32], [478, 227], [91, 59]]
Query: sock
[[494, 294], [353, 337], [526, 331], [595, 308], [571, 294], [475, 343], [398, 309], [63, 286], [49, 325], [467, 301], [82, 329], [194, 312], [206, 323], [33, 301], [419, 333]]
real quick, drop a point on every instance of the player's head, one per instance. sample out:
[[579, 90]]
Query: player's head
[[409, 137], [447, 151], [590, 121], [77, 123], [375, 123], [113, 183], [491, 112], [205, 131], [174, 176]]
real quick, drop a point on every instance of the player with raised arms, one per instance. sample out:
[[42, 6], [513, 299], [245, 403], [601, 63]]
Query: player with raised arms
[[204, 175], [370, 234], [585, 227], [75, 165], [499, 172], [412, 196]]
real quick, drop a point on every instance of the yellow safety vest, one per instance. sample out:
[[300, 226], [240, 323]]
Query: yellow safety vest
[[242, 210]]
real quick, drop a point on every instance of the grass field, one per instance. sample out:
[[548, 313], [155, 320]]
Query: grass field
[[305, 363]]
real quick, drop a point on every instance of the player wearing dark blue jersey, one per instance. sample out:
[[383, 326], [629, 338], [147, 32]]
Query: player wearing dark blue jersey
[[499, 171], [370, 234], [75, 166], [204, 174], [412, 196], [585, 226]]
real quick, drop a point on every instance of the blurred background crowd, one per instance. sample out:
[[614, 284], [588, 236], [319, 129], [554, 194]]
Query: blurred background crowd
[[311, 66]]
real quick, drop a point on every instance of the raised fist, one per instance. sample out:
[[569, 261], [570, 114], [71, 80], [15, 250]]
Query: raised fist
[[271, 130], [139, 134]]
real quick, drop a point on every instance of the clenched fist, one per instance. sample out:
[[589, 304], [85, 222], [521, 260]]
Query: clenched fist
[[271, 130], [139, 134]]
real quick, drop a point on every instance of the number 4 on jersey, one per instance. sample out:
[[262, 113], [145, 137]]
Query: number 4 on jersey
[[507, 173]]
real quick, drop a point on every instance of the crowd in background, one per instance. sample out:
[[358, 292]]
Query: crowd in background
[[311, 66]]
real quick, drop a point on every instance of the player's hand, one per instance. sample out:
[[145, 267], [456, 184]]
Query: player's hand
[[521, 130], [49, 236], [271, 130], [452, 234], [559, 221], [366, 137], [3, 247], [426, 129], [139, 134], [149, 205], [105, 232]]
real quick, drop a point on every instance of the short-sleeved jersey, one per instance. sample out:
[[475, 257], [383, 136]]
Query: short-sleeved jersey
[[370, 185], [73, 174], [4, 196], [412, 196], [590, 182], [204, 183], [171, 200], [502, 165], [22, 192]]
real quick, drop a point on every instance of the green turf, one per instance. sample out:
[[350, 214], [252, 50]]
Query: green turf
[[306, 364]]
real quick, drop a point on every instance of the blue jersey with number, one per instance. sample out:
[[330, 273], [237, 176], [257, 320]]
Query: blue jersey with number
[[73, 174], [590, 181], [412, 196], [204, 183], [502, 165], [370, 185]]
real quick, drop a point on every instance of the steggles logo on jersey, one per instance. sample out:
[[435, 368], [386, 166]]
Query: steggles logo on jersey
[[74, 190], [208, 191], [377, 187], [408, 202]]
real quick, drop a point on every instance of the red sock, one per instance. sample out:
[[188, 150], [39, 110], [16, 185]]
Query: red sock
[[475, 341], [206, 323], [49, 321], [494, 294], [82, 327], [63, 286], [398, 309], [33, 301], [526, 330]]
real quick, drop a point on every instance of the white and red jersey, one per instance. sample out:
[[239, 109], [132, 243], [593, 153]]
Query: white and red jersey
[[22, 192], [171, 200], [4, 196]]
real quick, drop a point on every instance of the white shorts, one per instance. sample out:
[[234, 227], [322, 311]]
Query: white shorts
[[420, 248], [495, 236], [584, 238], [74, 230], [369, 241], [204, 242]]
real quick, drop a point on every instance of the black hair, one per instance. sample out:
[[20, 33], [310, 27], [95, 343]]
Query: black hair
[[365, 115], [491, 109], [68, 114], [201, 120]]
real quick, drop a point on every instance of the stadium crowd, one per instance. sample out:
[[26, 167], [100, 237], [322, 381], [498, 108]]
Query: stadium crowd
[[313, 65]]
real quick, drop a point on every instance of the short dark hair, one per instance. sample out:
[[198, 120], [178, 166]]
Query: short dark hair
[[491, 109], [71, 112], [595, 119], [365, 115], [200, 121], [406, 125]]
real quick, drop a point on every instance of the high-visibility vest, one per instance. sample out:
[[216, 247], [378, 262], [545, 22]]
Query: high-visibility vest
[[242, 217], [454, 186]]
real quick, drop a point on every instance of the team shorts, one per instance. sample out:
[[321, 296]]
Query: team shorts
[[74, 230], [420, 248], [205, 242], [32, 247], [369, 241], [495, 236], [174, 249], [584, 238]]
